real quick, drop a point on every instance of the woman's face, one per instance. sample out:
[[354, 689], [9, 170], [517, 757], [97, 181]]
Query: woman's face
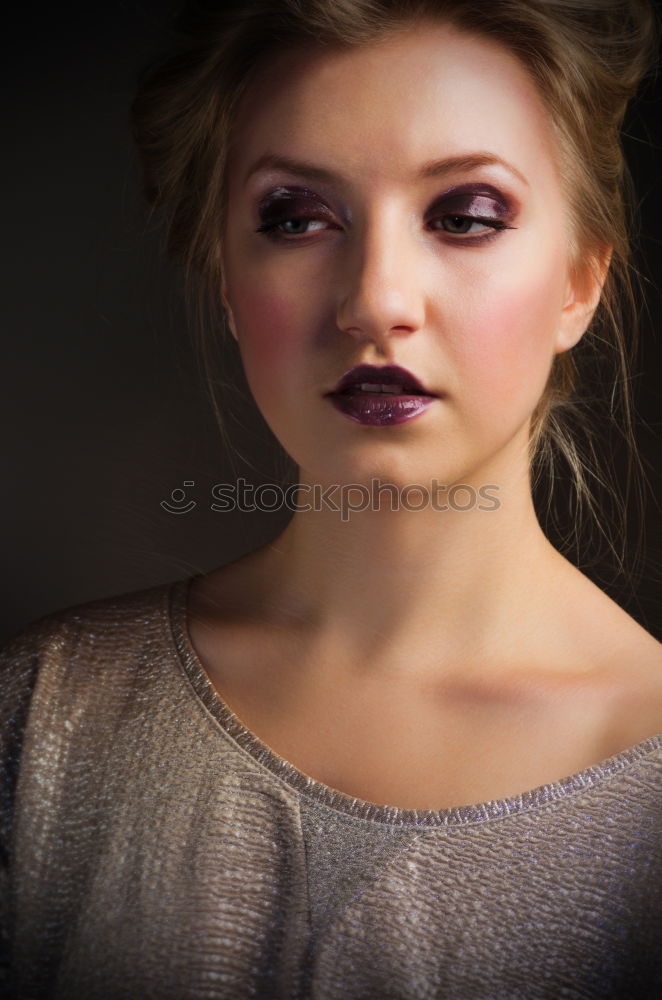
[[374, 265]]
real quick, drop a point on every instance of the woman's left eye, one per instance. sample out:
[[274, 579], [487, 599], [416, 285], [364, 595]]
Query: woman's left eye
[[460, 224]]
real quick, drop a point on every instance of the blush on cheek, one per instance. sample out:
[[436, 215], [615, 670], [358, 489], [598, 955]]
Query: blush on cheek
[[268, 340], [511, 348], [262, 317]]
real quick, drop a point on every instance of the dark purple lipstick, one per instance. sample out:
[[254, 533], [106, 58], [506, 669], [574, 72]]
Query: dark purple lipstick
[[380, 395]]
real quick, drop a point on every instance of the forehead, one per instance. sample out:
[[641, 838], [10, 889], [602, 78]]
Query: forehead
[[376, 112]]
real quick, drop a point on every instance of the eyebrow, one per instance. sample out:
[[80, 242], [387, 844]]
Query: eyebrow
[[433, 168]]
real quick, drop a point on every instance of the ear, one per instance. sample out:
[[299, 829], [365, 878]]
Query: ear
[[583, 290], [226, 305]]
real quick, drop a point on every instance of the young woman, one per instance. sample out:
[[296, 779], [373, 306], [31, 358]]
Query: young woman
[[407, 749]]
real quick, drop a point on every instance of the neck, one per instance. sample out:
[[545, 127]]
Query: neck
[[411, 586]]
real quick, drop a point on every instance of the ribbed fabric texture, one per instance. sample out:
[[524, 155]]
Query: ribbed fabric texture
[[152, 847]]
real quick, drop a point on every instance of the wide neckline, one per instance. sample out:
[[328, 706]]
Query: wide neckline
[[176, 610]]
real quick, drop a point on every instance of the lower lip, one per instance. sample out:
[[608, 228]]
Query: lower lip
[[380, 410]]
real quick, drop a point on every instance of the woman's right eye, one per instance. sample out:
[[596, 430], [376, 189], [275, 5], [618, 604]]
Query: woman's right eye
[[286, 213], [270, 228]]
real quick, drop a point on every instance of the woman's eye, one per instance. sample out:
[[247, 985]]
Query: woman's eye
[[271, 227], [289, 213], [461, 224]]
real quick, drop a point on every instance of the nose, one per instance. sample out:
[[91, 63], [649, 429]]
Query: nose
[[382, 295]]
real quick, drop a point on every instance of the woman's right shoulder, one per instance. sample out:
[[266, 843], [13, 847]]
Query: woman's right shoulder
[[90, 633], [70, 667]]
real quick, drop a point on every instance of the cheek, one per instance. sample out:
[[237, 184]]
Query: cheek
[[267, 329], [508, 347]]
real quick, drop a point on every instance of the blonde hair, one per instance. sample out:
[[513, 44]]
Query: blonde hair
[[587, 58]]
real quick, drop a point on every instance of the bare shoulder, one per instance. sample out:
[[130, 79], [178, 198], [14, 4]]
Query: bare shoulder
[[625, 657], [637, 707], [619, 639]]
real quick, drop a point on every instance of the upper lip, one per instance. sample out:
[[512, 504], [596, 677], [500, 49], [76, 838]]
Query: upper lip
[[382, 375]]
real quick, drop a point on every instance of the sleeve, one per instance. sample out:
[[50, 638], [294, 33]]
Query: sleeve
[[19, 665]]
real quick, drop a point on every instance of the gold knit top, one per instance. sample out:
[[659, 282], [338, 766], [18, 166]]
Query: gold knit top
[[151, 846]]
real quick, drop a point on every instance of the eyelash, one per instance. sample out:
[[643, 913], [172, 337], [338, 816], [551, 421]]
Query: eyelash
[[270, 229]]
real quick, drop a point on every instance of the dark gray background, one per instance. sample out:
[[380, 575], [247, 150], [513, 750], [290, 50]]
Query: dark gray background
[[104, 412]]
